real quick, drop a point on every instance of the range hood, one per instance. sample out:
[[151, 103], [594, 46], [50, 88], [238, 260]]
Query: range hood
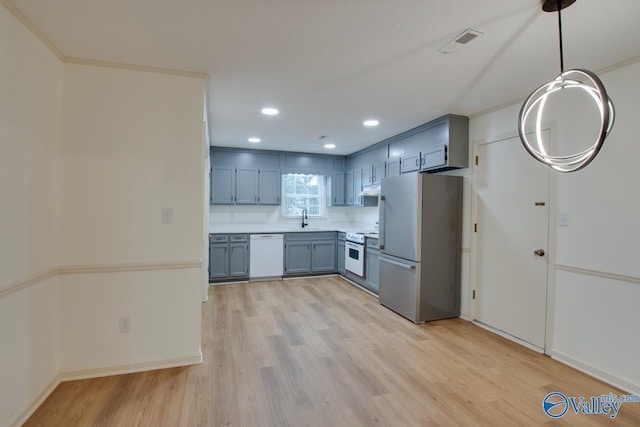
[[370, 190]]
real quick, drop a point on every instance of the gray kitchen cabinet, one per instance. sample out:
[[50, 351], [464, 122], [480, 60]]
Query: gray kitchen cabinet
[[239, 258], [223, 185], [323, 256], [297, 257], [357, 187], [372, 265], [269, 184], [367, 176], [372, 175], [218, 257], [393, 167], [410, 163], [228, 256], [336, 189], [340, 255], [348, 196], [246, 186], [378, 173], [313, 252]]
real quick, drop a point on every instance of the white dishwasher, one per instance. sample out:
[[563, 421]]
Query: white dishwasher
[[266, 256]]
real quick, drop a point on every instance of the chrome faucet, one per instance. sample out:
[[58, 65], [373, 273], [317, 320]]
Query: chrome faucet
[[304, 216]]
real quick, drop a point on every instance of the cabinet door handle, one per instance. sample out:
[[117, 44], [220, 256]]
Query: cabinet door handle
[[417, 164]]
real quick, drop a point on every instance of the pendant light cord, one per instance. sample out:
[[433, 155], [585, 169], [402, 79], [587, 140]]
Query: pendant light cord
[[560, 33]]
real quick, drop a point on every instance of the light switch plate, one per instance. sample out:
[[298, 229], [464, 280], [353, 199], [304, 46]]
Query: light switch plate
[[124, 324], [167, 216], [563, 219]]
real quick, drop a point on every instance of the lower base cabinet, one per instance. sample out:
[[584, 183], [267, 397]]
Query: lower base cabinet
[[341, 267], [372, 267], [297, 257], [228, 257], [310, 253], [218, 260]]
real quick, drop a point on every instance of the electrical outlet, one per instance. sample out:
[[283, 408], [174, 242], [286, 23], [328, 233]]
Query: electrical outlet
[[167, 216], [125, 324]]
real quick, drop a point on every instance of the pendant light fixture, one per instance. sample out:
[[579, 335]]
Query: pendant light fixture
[[567, 80]]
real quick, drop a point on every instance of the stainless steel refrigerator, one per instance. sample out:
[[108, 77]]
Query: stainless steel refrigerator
[[420, 245]]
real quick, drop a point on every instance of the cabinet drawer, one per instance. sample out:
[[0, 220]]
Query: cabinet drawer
[[238, 238], [218, 238], [372, 243], [310, 235]]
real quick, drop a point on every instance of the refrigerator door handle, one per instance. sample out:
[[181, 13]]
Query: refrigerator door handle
[[381, 227], [399, 264]]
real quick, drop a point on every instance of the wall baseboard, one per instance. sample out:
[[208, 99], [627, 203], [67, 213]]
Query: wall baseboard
[[103, 371], [129, 368], [595, 372], [509, 337], [35, 404]]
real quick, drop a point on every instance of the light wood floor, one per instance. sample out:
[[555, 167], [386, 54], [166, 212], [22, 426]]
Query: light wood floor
[[320, 352]]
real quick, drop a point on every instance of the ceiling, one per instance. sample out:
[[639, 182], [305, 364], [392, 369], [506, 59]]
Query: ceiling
[[328, 65]]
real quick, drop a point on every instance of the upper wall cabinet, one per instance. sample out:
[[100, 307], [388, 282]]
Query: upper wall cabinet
[[253, 177], [336, 189], [223, 186], [371, 162], [439, 145], [244, 186], [269, 185]]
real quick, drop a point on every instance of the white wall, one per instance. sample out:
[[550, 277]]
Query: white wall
[[132, 146], [30, 111], [594, 300]]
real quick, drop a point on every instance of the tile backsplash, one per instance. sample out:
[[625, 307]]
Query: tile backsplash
[[221, 214]]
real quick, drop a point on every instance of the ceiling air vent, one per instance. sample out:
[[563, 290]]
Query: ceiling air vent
[[460, 40]]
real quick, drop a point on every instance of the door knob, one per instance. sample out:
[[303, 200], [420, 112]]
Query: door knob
[[539, 252]]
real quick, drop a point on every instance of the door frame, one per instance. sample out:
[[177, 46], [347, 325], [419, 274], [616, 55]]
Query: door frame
[[551, 236]]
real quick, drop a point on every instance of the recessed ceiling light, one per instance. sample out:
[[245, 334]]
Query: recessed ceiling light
[[254, 140], [371, 123], [270, 111], [330, 146]]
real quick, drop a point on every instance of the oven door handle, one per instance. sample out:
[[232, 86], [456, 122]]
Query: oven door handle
[[354, 245]]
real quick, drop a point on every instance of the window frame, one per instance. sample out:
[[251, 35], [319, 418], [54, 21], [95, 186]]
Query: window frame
[[321, 196]]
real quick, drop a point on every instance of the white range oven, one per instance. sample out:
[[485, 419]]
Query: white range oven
[[354, 253]]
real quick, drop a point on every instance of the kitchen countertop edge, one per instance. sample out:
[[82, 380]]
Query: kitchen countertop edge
[[249, 228]]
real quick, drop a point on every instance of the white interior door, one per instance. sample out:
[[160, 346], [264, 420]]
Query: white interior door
[[513, 223]]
